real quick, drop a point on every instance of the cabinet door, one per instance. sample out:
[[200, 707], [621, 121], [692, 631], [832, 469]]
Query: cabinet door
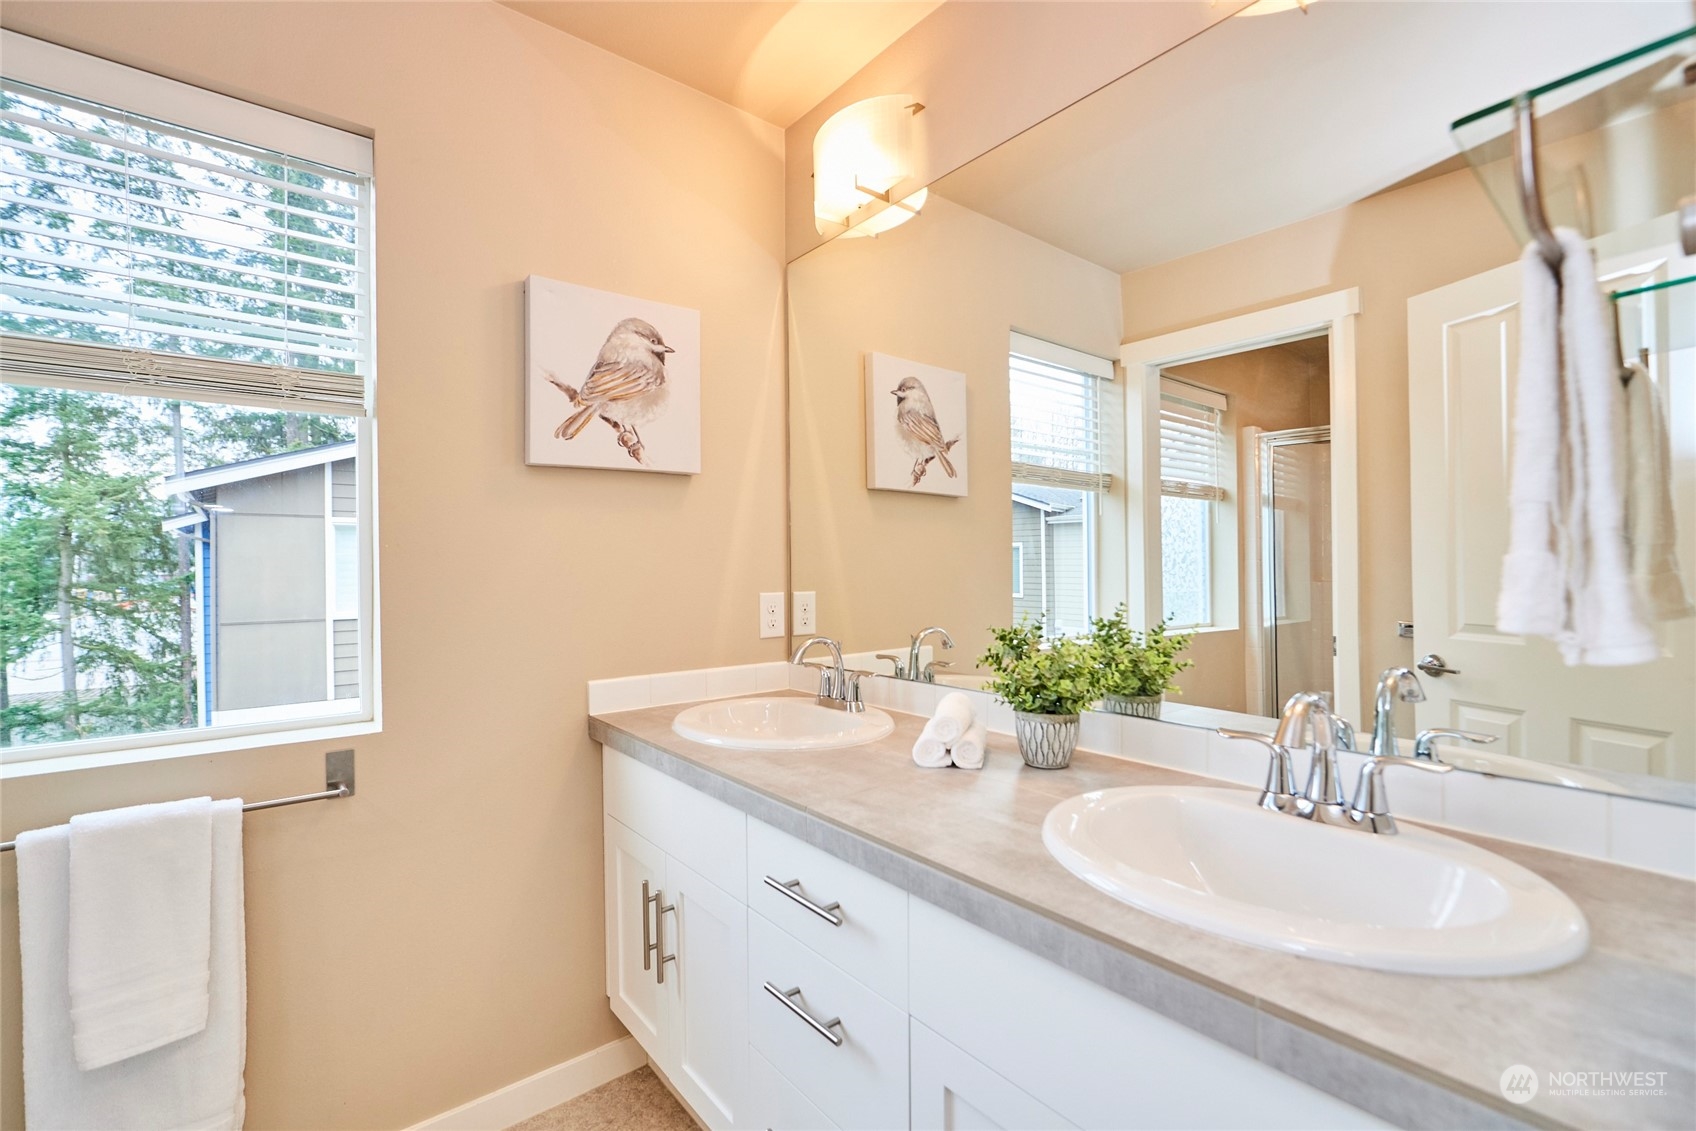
[[953, 1092], [638, 999], [707, 930]]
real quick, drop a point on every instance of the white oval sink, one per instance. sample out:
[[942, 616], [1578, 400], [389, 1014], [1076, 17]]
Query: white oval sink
[[1417, 902], [779, 724]]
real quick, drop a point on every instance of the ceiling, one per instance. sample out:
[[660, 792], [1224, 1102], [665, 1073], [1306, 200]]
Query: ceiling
[[776, 59], [1259, 123]]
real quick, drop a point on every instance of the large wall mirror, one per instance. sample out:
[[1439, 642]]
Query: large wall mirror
[[1233, 343]]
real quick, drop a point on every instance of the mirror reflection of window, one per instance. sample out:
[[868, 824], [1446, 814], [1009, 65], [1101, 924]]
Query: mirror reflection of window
[[1192, 490], [1058, 477]]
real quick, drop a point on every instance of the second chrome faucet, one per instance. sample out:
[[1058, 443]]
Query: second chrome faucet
[[1309, 723]]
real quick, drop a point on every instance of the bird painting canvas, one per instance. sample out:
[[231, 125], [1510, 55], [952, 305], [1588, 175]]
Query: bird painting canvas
[[611, 381], [915, 427]]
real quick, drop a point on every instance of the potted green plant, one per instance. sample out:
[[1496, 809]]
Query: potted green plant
[[1137, 668], [1048, 683]]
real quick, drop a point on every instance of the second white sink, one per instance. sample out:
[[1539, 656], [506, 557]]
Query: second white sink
[[779, 724], [1417, 902]]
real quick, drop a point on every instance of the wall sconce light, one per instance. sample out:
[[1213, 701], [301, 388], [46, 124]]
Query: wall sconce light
[[861, 155]]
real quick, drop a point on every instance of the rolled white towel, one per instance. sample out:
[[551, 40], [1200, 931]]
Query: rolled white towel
[[930, 752], [953, 716], [968, 752]]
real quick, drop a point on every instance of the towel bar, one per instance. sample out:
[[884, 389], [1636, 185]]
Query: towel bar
[[338, 782]]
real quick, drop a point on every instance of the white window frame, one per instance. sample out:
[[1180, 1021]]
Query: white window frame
[[92, 79], [1333, 314], [1224, 586], [1018, 571]]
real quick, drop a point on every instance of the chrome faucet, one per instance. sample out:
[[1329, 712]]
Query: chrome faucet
[[1393, 684], [839, 688], [928, 674], [1425, 745], [1308, 722]]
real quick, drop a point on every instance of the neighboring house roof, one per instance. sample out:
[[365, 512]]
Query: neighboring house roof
[[256, 468], [1052, 501]]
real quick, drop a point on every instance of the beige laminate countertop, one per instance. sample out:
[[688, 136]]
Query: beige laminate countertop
[[1416, 1051]]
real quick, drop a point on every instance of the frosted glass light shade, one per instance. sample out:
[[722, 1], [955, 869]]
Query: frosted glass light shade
[[861, 153]]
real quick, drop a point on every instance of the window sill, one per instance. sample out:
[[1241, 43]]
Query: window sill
[[190, 748], [1202, 631]]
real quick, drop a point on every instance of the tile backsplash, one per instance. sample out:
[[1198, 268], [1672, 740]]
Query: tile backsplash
[[1628, 831]]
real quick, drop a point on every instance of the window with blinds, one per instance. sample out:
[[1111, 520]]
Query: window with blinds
[[1192, 442], [1056, 416], [137, 255], [186, 337]]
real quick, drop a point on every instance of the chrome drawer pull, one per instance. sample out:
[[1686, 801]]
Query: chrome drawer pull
[[822, 1028], [792, 888], [649, 946]]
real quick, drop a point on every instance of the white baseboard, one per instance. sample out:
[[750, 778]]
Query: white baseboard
[[548, 1088]]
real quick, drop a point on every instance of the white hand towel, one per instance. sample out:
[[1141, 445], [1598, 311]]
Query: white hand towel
[[930, 751], [1608, 626], [141, 928], [1566, 575], [195, 1083], [1532, 599], [969, 751], [953, 715], [1651, 526]]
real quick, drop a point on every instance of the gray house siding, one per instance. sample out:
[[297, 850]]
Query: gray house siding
[[270, 630], [1027, 529], [347, 659], [1068, 585]]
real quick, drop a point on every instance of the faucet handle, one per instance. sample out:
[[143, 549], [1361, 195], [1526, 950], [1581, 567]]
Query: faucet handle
[[1371, 806], [930, 669], [851, 688], [1425, 745], [1279, 793], [900, 669]]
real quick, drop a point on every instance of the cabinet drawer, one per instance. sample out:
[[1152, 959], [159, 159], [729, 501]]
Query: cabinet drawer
[[870, 940], [860, 1082], [685, 823], [1099, 1060], [778, 1105]]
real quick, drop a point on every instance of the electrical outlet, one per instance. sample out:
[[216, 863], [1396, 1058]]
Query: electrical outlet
[[771, 615], [806, 613]]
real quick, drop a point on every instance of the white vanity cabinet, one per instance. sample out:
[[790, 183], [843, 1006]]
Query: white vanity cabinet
[[801, 993], [677, 934]]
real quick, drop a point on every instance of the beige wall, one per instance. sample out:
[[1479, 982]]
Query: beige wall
[[1271, 389], [986, 71], [1392, 246], [440, 935], [945, 290]]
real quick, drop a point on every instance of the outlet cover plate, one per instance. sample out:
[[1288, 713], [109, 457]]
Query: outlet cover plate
[[771, 615], [806, 613]]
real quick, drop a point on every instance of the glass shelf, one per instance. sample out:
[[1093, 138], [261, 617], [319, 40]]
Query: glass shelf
[[1659, 315], [1616, 141]]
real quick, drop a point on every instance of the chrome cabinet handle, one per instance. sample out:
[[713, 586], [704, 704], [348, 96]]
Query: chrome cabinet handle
[[660, 910], [1435, 665], [822, 1028], [648, 944], [792, 889]]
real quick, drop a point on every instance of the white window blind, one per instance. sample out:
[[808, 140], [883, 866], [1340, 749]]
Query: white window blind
[[145, 257], [1056, 420], [1191, 442]]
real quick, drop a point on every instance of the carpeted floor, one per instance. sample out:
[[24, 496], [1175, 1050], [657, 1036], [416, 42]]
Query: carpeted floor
[[636, 1101]]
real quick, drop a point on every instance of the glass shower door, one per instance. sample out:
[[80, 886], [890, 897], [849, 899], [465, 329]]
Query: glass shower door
[[1295, 567]]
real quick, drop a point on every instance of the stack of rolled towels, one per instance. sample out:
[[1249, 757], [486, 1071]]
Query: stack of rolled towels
[[953, 737]]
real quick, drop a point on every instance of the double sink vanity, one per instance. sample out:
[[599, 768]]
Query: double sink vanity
[[807, 930]]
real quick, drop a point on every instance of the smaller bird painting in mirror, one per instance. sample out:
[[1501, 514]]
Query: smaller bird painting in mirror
[[610, 381], [915, 427]]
